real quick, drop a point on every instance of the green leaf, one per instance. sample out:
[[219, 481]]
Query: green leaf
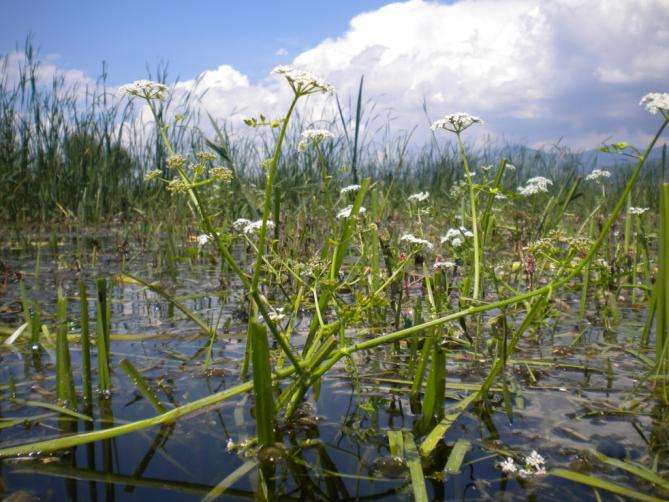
[[415, 469], [430, 442], [262, 383], [594, 482], [457, 455], [229, 480]]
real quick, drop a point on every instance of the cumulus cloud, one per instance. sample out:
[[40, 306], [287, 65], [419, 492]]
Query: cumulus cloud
[[45, 70], [536, 71]]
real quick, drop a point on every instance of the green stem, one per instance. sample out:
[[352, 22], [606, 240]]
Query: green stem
[[472, 207]]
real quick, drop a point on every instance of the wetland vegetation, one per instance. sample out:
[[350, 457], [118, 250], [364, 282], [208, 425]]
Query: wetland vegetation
[[305, 312]]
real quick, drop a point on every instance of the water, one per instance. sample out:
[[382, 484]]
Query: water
[[566, 398]]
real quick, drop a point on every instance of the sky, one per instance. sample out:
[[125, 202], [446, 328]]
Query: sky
[[536, 71]]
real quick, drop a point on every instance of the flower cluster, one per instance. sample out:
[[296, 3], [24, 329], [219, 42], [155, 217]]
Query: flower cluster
[[205, 156], [177, 185], [221, 173], [153, 174], [176, 161], [349, 189], [456, 122], [455, 236], [303, 82], [637, 210], [240, 224], [656, 102], [314, 136], [276, 314], [416, 241], [145, 89], [203, 239], [255, 226], [597, 175], [346, 212], [419, 197], [535, 185], [441, 264], [535, 465]]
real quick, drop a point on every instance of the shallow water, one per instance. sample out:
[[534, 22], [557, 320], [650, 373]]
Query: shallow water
[[566, 399]]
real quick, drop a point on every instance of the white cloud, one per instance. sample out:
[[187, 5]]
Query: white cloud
[[281, 52], [11, 66], [535, 70]]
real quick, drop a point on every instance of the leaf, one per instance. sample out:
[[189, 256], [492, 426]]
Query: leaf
[[415, 468], [59, 409], [430, 442], [594, 482], [396, 443], [229, 480], [457, 455], [17, 333], [141, 385], [262, 383], [633, 468]]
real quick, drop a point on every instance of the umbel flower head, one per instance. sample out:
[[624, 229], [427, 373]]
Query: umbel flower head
[[456, 122], [656, 102], [145, 89], [346, 212], [349, 189], [535, 185], [416, 241], [303, 82], [314, 136], [597, 175], [419, 197], [255, 226]]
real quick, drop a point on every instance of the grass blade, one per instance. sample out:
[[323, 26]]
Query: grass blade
[[262, 383], [415, 469], [594, 482]]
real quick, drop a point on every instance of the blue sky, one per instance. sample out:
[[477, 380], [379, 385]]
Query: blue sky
[[191, 36], [535, 71]]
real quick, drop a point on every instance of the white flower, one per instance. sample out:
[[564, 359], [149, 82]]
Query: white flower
[[254, 226], [508, 466], [413, 240], [453, 234], [346, 212], [535, 460], [456, 122], [637, 210], [486, 168], [314, 136], [277, 315], [145, 89], [349, 189], [202, 239], [597, 174], [655, 102], [419, 197], [443, 264], [240, 224], [500, 196], [535, 185], [303, 82], [510, 166], [230, 446]]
